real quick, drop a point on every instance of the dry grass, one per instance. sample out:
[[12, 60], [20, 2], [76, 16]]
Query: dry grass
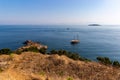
[[36, 66]]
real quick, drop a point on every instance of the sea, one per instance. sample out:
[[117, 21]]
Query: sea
[[95, 41]]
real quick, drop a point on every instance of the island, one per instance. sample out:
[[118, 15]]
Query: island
[[94, 25]]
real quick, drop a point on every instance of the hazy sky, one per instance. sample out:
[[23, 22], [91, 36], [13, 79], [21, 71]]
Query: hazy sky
[[59, 11]]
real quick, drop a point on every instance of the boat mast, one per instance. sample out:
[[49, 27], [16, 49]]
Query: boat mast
[[77, 37]]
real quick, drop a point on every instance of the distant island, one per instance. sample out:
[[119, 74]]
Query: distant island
[[94, 25]]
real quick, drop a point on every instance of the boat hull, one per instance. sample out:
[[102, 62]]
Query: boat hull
[[75, 41]]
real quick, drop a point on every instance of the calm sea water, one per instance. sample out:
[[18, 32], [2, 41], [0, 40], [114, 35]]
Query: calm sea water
[[94, 40]]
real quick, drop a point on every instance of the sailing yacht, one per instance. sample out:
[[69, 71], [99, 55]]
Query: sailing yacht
[[75, 41]]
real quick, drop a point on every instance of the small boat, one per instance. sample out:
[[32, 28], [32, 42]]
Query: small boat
[[75, 41]]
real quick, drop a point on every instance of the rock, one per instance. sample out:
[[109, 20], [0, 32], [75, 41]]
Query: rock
[[29, 43]]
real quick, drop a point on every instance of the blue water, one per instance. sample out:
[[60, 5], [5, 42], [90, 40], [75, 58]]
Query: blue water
[[94, 40]]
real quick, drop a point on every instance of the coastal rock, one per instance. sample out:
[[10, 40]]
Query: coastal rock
[[29, 43]]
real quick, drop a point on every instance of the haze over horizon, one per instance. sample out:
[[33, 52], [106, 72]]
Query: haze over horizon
[[60, 12]]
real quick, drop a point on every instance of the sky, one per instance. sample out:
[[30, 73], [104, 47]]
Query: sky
[[60, 12]]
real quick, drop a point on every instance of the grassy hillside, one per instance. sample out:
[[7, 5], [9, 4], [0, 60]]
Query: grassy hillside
[[36, 66]]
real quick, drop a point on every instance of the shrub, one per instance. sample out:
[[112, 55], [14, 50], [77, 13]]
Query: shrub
[[104, 60], [18, 52], [107, 61], [5, 51], [33, 49], [84, 59], [42, 50], [116, 64], [53, 52], [73, 56]]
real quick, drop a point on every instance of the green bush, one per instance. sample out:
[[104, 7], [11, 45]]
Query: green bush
[[104, 60], [116, 63], [42, 50], [84, 59], [68, 54], [73, 56], [53, 52], [5, 51], [107, 61], [33, 49], [18, 52]]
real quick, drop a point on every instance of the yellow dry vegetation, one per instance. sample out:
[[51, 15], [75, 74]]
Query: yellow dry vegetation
[[36, 66]]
